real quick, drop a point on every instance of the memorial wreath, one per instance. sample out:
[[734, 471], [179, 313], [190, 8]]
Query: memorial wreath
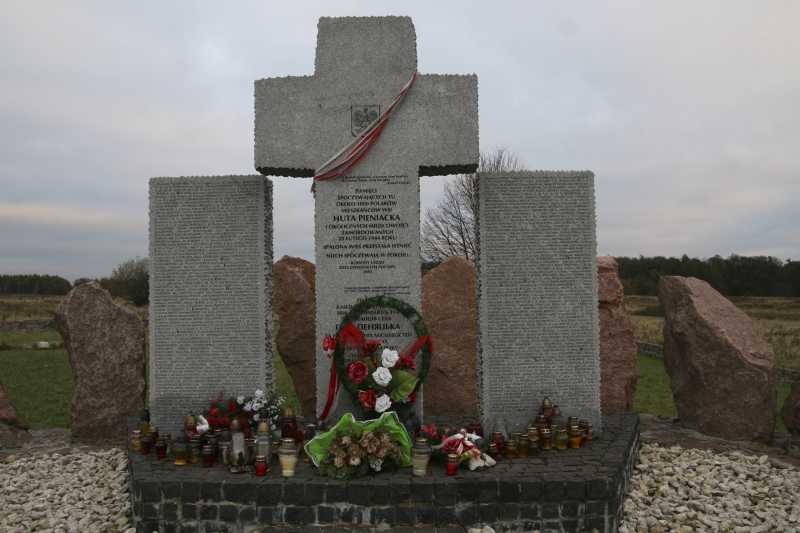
[[378, 380]]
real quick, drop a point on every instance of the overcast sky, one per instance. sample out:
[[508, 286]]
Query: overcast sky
[[687, 112]]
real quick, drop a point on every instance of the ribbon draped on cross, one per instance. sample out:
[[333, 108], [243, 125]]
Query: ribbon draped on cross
[[350, 336], [347, 157]]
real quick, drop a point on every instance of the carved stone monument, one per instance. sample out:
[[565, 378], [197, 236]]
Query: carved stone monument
[[367, 222], [537, 296], [210, 292]]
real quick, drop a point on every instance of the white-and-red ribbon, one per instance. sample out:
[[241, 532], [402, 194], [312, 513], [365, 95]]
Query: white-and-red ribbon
[[347, 157]]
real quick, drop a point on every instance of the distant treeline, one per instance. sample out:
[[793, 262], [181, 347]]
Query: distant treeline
[[33, 284], [129, 280], [732, 276]]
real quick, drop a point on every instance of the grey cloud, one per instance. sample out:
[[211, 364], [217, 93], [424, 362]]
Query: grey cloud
[[686, 112]]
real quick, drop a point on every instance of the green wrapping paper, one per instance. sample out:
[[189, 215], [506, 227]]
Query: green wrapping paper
[[317, 448]]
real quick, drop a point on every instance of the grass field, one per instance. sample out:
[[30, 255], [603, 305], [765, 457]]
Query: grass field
[[778, 319], [24, 307], [40, 381]]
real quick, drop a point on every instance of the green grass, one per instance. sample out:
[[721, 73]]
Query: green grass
[[654, 394], [17, 308], [284, 385], [777, 319], [39, 383], [25, 339]]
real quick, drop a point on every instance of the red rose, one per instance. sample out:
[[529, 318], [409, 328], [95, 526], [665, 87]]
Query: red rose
[[357, 372], [231, 406], [329, 344], [214, 412], [367, 399], [407, 361]]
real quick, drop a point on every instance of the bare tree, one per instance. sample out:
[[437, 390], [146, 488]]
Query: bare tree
[[449, 228]]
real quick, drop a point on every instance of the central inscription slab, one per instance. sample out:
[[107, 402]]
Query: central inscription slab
[[367, 223], [367, 244]]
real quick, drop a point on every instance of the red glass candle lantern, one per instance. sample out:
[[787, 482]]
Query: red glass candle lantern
[[208, 456], [452, 464], [261, 466], [161, 448]]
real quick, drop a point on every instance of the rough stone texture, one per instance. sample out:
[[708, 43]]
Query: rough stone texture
[[294, 311], [537, 296], [210, 292], [571, 490], [366, 223], [722, 370], [617, 343], [791, 410], [301, 121], [106, 345], [13, 430], [448, 307]]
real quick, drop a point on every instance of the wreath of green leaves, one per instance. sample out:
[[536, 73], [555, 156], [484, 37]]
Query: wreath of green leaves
[[382, 302]]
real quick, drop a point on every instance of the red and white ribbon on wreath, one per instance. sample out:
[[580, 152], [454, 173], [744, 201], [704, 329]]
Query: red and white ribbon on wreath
[[351, 336], [347, 157]]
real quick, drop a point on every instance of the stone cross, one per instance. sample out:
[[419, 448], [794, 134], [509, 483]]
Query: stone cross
[[366, 223]]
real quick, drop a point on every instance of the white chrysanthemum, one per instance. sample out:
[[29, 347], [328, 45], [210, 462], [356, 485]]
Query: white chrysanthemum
[[259, 393], [240, 400], [256, 417], [382, 376], [389, 358], [376, 464], [382, 403], [248, 406]]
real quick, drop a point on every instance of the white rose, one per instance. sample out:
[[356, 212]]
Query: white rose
[[259, 393], [240, 400], [256, 417], [389, 358], [382, 376], [382, 403]]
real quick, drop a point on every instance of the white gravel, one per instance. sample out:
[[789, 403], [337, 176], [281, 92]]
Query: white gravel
[[673, 490], [685, 490], [74, 492]]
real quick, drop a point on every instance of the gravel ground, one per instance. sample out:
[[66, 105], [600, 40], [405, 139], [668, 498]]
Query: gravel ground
[[70, 492], [686, 490], [674, 489]]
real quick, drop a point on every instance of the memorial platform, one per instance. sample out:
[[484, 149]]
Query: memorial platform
[[570, 490]]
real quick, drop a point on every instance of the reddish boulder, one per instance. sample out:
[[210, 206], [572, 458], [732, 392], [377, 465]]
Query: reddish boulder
[[722, 370], [293, 306], [106, 346], [13, 430], [617, 344], [791, 410], [448, 306]]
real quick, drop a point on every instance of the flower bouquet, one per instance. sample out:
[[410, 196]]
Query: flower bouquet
[[248, 410], [382, 380], [351, 448], [467, 446]]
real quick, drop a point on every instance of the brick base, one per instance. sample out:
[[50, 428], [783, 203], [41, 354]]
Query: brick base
[[572, 490]]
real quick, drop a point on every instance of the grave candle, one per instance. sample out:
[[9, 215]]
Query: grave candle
[[561, 439], [161, 448], [575, 437], [421, 455], [264, 441], [179, 450], [136, 441], [545, 441], [261, 466], [452, 464], [208, 456], [287, 454]]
